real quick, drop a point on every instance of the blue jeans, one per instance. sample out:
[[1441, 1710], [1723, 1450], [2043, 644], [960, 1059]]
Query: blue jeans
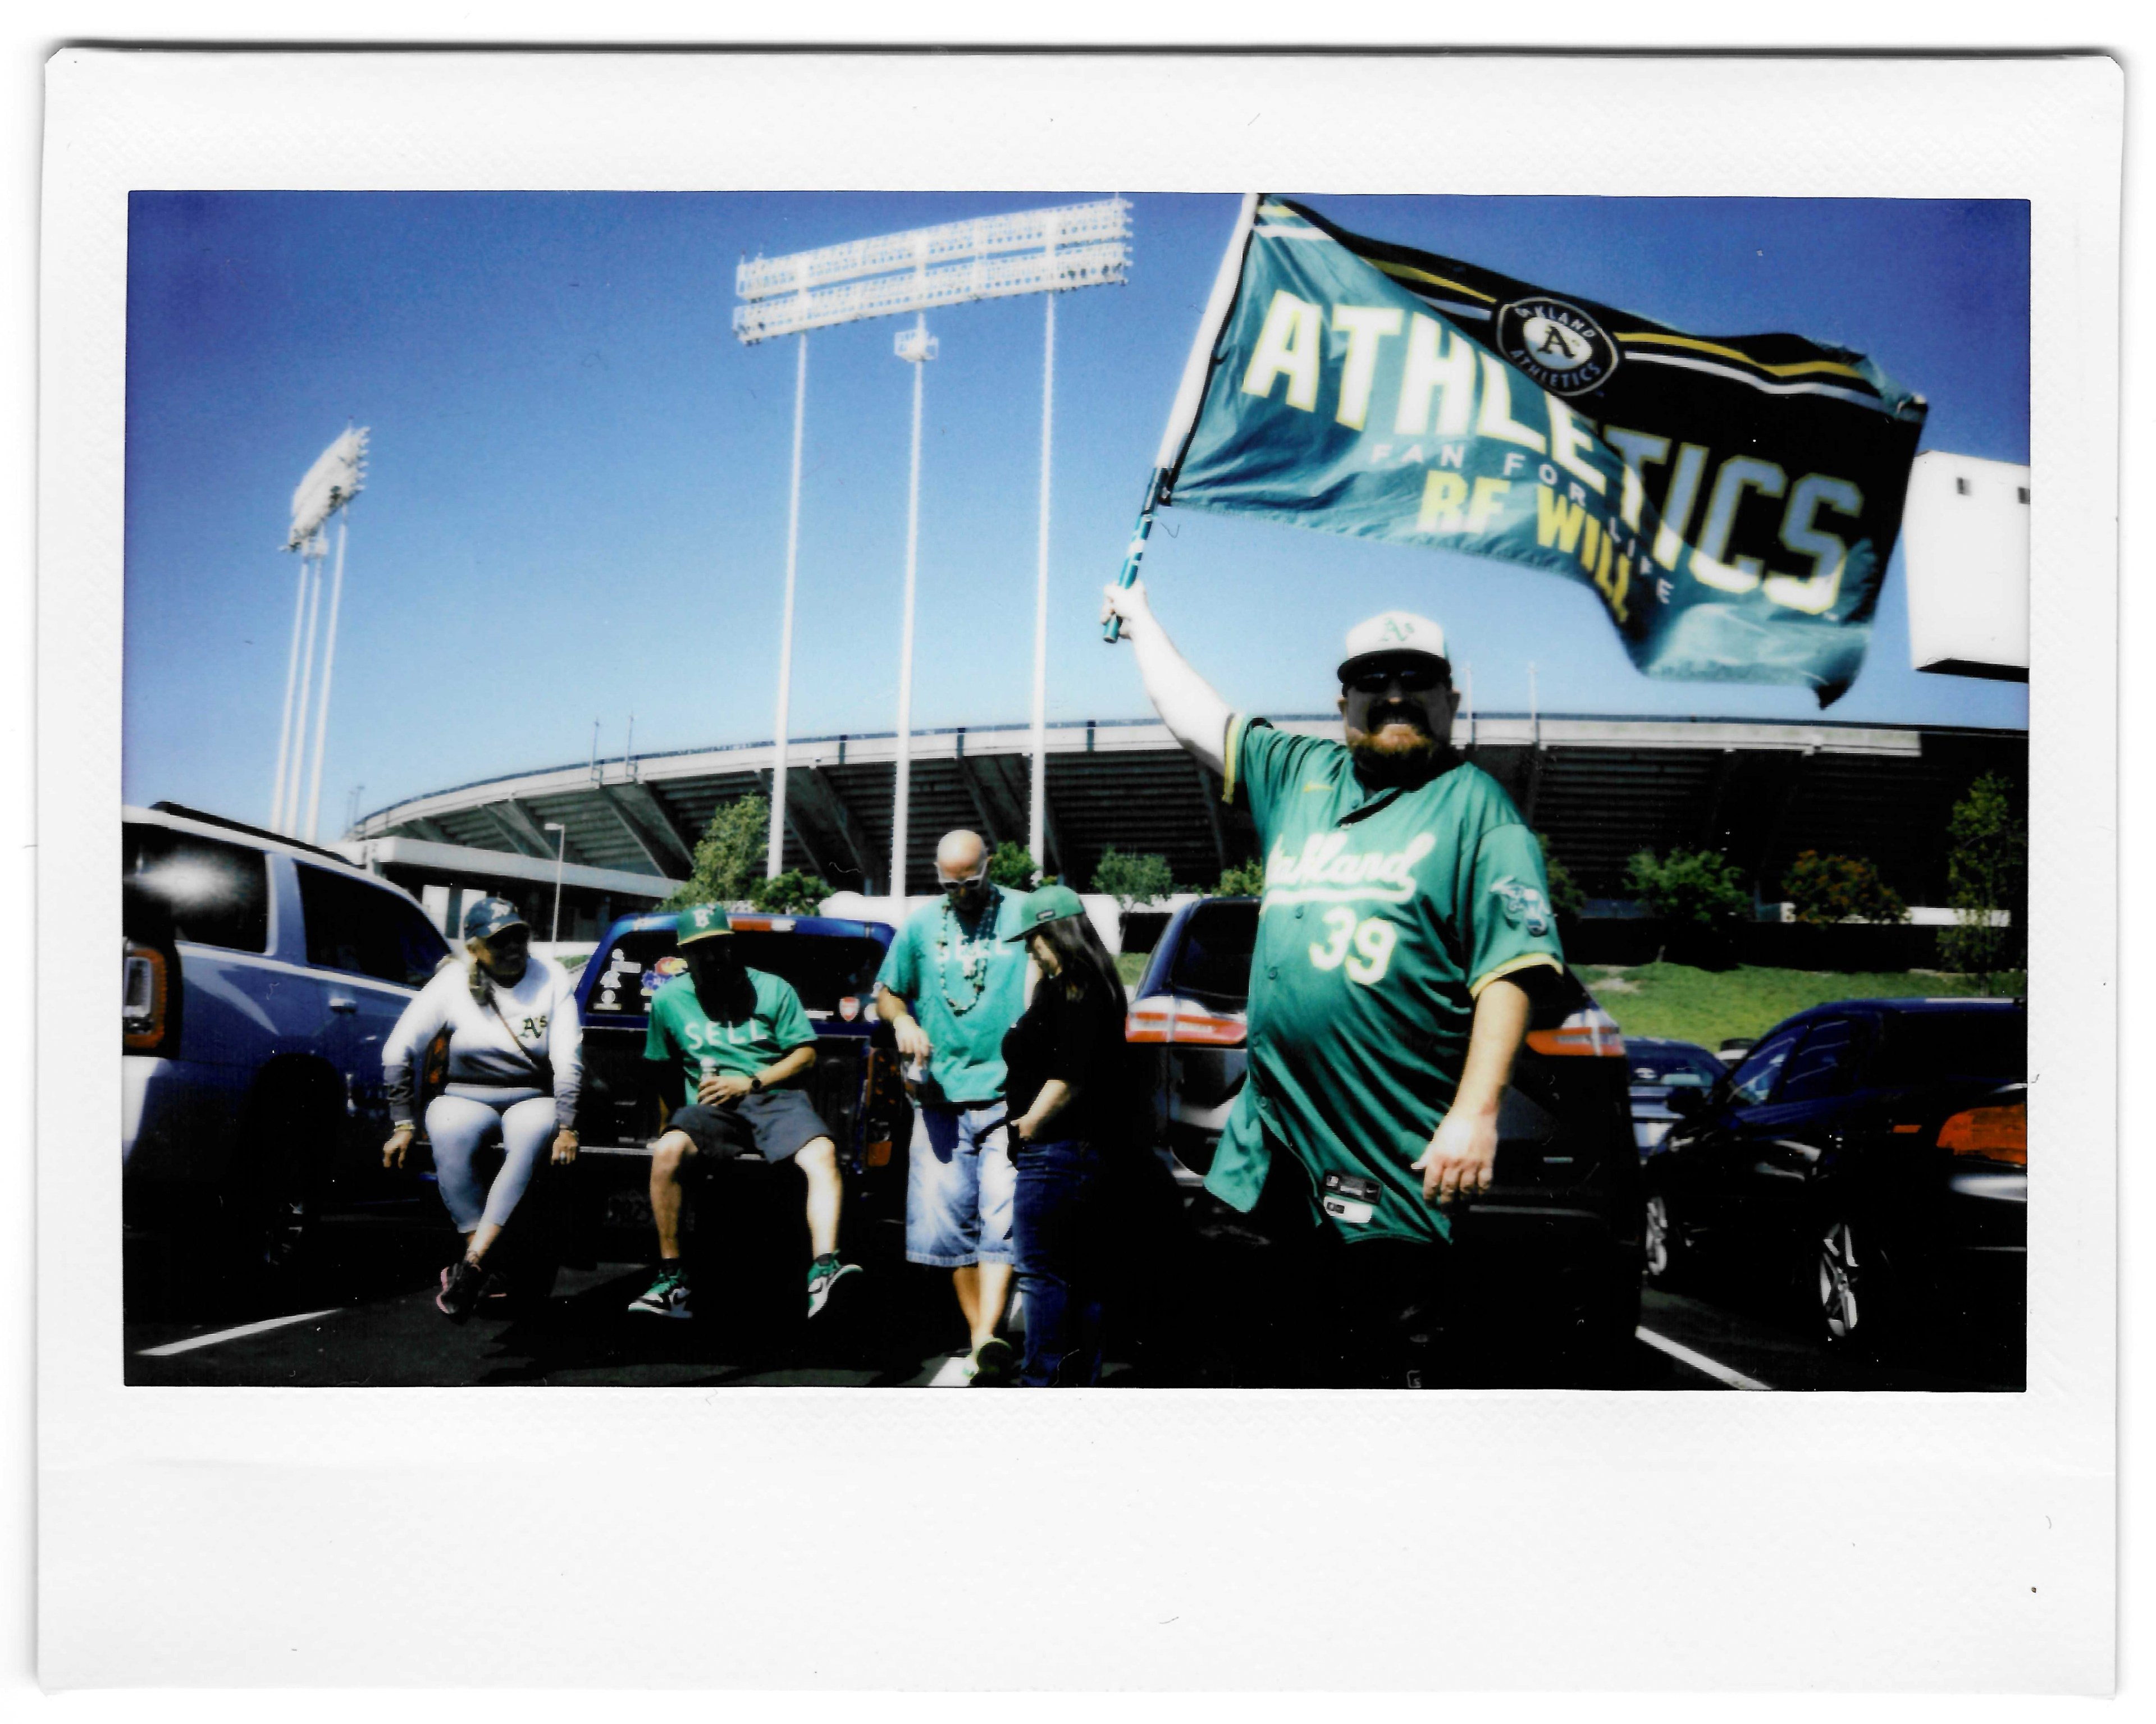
[[1059, 1224]]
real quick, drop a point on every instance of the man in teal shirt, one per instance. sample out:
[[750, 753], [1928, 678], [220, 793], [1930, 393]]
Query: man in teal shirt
[[1404, 916], [730, 1042], [951, 985]]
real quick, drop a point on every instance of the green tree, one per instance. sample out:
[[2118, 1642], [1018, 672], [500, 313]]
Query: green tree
[[1132, 880], [1011, 865], [1243, 879], [1565, 896], [729, 856], [1987, 882], [792, 893], [1838, 889], [1700, 888]]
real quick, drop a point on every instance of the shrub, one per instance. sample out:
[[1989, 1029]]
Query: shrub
[[1012, 865], [1840, 889], [1243, 879], [1565, 896], [792, 893], [1702, 888], [1133, 880]]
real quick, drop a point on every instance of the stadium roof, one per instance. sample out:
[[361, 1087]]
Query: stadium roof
[[1599, 788]]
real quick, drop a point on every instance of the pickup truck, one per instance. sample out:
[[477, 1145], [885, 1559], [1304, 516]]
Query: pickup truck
[[855, 1082], [259, 978], [1555, 1247]]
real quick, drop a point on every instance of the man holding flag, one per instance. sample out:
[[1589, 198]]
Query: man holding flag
[[1405, 917], [1731, 501]]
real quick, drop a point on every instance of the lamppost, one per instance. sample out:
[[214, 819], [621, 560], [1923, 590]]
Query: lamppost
[[560, 846], [1043, 251], [338, 476]]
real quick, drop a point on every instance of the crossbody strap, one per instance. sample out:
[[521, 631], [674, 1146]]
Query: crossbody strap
[[539, 1068]]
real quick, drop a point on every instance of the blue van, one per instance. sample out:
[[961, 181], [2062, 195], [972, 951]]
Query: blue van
[[856, 1083]]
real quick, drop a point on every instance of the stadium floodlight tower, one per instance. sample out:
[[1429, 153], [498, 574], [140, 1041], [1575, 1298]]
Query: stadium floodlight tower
[[338, 476], [1043, 251]]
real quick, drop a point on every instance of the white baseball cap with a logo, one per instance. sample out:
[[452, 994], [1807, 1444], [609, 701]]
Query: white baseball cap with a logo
[[1393, 635]]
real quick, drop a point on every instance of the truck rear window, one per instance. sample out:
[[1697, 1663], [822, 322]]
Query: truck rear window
[[216, 893], [1213, 963], [824, 968]]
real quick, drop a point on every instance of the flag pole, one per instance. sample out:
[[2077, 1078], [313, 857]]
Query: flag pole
[[1189, 396]]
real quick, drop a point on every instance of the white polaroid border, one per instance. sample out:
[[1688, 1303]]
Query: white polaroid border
[[769, 1539]]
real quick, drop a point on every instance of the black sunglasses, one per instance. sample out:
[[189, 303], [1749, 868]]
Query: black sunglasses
[[1413, 679]]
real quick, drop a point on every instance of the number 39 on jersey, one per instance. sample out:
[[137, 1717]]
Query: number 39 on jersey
[[1364, 946]]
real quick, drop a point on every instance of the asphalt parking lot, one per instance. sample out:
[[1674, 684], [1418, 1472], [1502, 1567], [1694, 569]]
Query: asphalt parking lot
[[365, 1316]]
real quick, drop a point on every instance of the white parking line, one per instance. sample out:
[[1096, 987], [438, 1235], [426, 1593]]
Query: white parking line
[[215, 1336], [1700, 1362], [953, 1374]]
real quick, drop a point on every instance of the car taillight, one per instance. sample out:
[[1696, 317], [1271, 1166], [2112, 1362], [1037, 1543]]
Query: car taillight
[[1162, 1018], [141, 999], [1992, 1134], [1590, 1033]]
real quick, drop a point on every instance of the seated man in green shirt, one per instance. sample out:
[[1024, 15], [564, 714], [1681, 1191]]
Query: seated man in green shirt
[[736, 1037], [1404, 916]]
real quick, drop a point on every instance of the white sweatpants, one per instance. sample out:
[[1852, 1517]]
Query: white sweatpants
[[459, 1126]]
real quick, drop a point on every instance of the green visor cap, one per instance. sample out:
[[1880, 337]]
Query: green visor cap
[[701, 922], [1050, 903]]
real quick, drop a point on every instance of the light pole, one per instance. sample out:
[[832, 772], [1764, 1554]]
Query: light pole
[[916, 348], [1044, 251], [560, 846], [337, 476]]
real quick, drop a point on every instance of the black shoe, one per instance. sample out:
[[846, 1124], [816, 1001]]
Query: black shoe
[[463, 1282]]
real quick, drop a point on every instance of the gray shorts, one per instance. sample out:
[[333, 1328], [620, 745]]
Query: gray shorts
[[775, 1124]]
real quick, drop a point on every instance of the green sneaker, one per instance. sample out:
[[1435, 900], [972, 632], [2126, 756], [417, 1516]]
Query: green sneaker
[[991, 1364], [824, 1274], [666, 1297]]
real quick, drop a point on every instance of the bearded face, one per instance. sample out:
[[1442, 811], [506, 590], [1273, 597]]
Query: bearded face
[[1398, 716]]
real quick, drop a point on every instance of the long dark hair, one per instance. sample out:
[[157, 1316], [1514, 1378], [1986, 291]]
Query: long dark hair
[[1087, 968]]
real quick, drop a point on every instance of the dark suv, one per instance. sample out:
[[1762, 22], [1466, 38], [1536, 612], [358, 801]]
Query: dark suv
[[1557, 1242]]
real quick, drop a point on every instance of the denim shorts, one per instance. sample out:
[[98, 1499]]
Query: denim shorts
[[958, 1187]]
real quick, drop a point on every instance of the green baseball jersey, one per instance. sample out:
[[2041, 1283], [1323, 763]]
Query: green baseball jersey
[[1385, 912], [683, 1032], [966, 986]]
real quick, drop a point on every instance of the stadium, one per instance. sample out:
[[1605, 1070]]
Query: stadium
[[1599, 788]]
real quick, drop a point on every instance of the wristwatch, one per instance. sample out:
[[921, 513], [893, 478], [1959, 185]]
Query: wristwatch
[[755, 1085]]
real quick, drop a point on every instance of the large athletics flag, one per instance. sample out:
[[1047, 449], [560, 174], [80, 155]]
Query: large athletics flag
[[1732, 499]]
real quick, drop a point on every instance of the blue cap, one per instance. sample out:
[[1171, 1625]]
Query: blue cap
[[489, 916]]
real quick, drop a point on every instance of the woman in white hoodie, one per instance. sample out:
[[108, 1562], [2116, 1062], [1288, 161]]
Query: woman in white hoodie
[[516, 1064]]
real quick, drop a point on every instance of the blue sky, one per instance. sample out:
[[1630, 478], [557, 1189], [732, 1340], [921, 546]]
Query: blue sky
[[576, 507]]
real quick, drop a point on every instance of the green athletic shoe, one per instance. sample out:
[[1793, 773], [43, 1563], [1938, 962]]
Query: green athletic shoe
[[666, 1297], [991, 1364], [824, 1274]]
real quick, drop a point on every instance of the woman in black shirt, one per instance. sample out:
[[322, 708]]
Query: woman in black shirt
[[1069, 1096]]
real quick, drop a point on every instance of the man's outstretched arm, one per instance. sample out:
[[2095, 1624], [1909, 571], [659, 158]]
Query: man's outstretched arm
[[1196, 716]]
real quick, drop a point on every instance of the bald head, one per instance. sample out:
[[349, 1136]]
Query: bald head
[[960, 855], [961, 869]]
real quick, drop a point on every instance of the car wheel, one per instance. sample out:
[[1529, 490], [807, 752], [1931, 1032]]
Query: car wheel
[[274, 1194], [1661, 1243], [1850, 1285]]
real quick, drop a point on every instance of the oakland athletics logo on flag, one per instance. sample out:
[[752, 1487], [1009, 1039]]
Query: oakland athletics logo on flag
[[1733, 500]]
